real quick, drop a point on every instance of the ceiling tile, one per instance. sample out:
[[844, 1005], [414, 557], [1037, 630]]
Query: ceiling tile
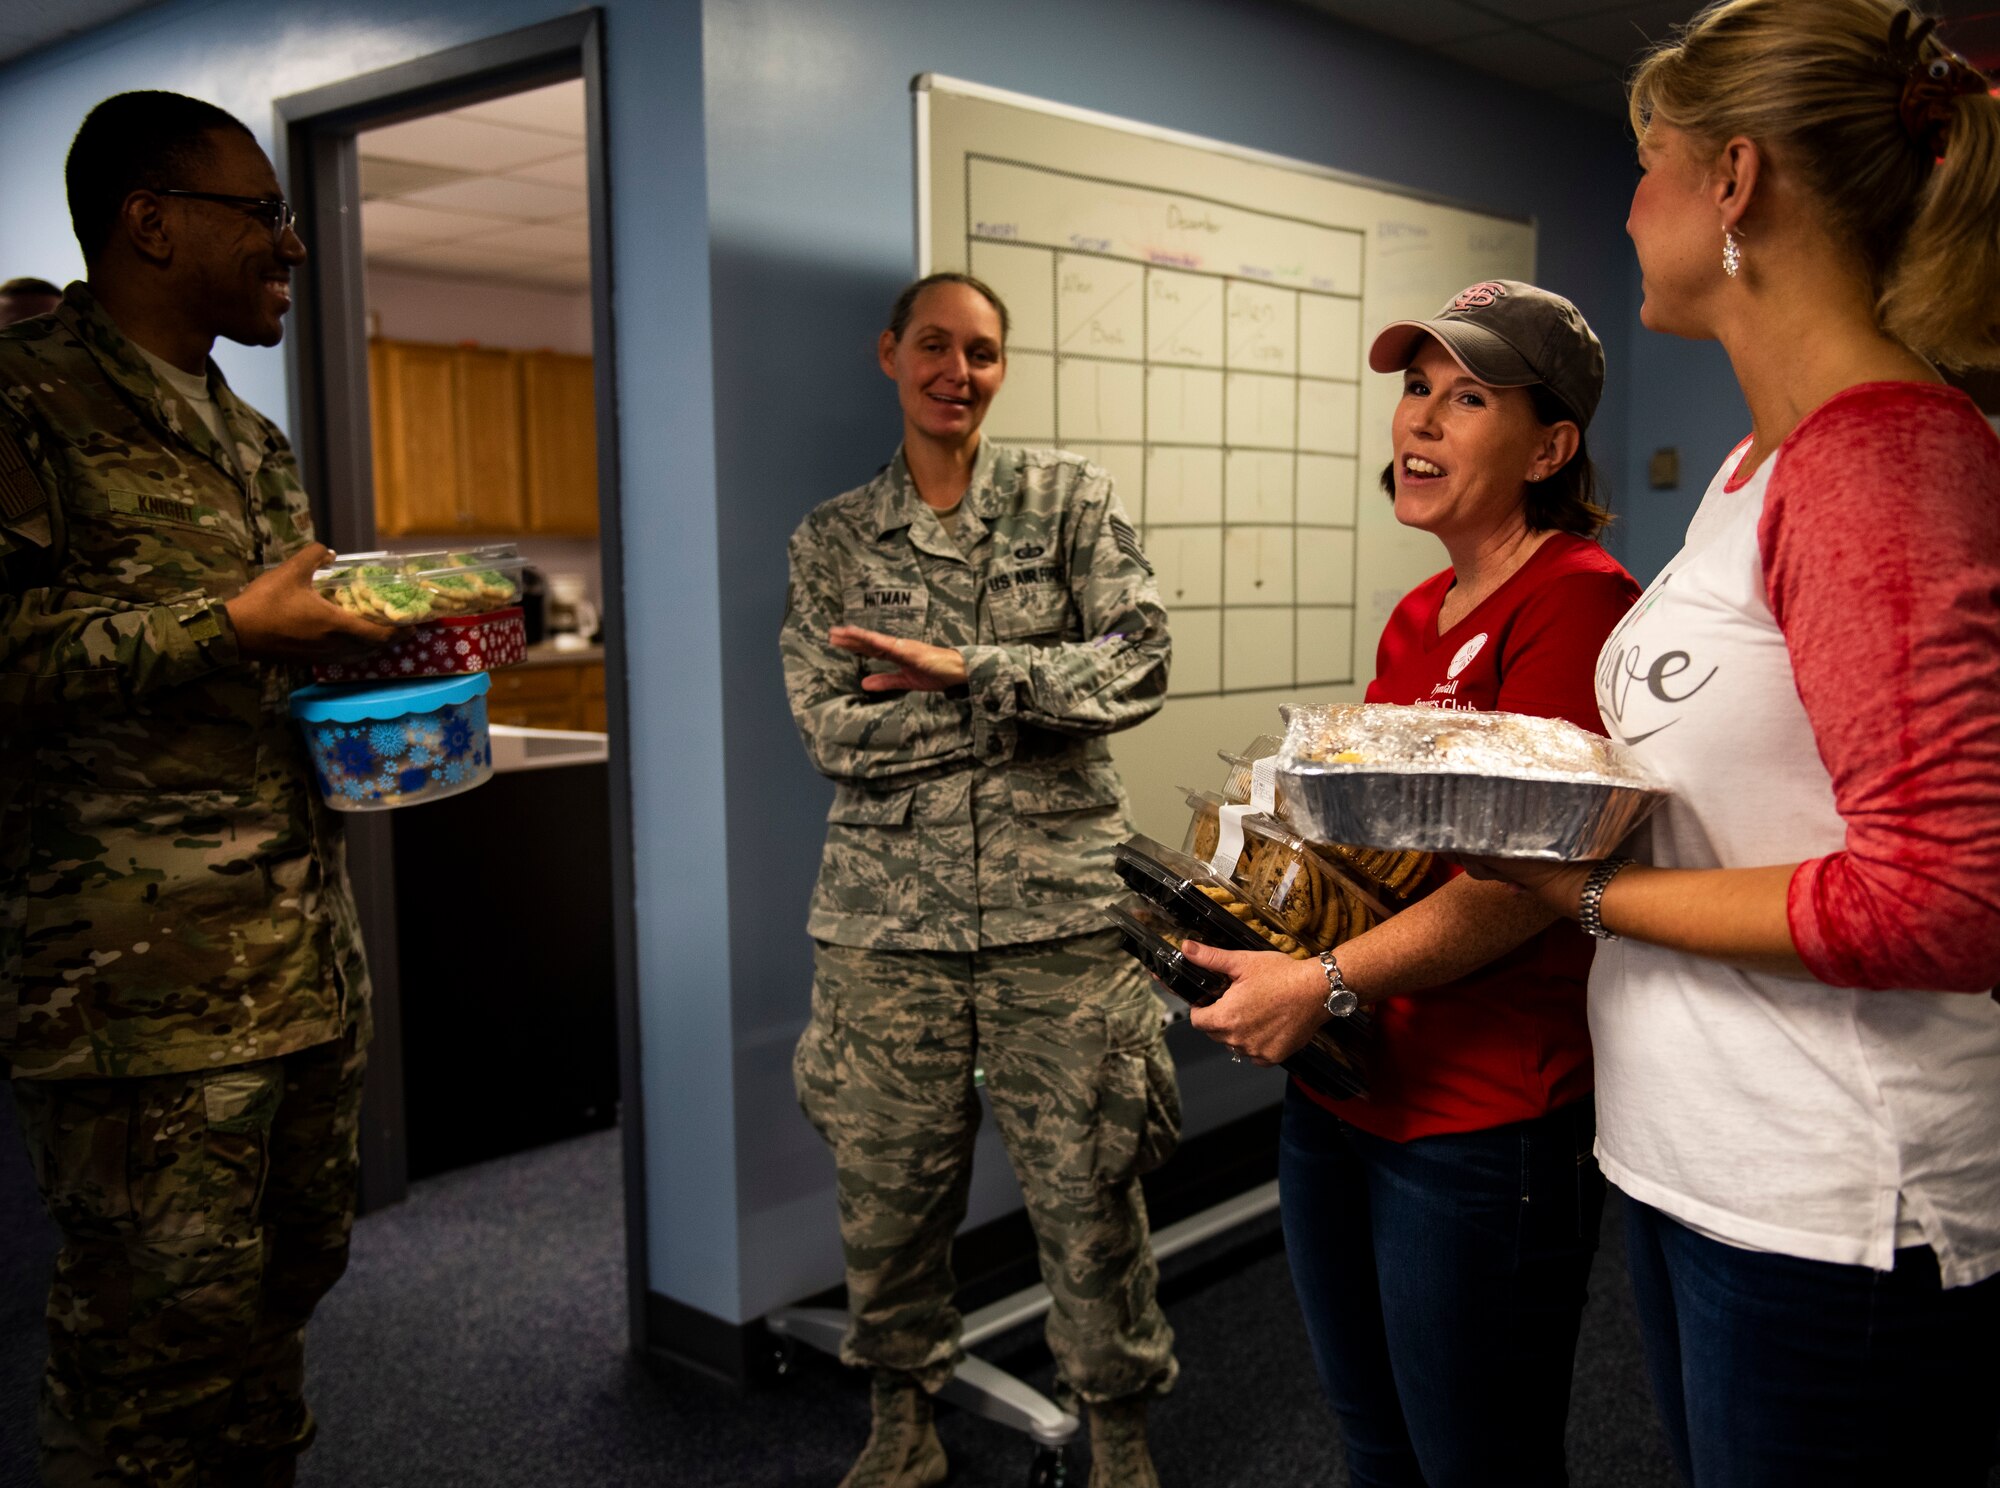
[[466, 144], [553, 110], [383, 178], [567, 277], [1425, 22], [1526, 57], [1534, 12], [459, 255], [552, 278], [572, 171], [564, 242], [1618, 35], [387, 224], [497, 196]]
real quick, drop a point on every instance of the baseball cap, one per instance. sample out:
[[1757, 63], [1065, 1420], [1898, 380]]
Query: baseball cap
[[1507, 334]]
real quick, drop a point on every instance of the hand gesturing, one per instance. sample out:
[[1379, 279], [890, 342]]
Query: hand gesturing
[[921, 667]]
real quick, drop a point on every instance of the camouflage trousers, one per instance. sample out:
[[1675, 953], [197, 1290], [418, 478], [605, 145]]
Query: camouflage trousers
[[1069, 1036], [202, 1216]]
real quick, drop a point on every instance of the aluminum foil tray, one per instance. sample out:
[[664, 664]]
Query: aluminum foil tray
[[1438, 780]]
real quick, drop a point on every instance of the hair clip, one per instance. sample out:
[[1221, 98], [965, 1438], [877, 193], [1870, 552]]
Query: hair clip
[[1929, 87]]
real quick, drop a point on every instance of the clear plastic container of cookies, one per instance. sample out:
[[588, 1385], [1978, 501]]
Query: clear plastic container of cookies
[[1208, 907], [1237, 785], [1308, 892], [1441, 780], [1321, 893], [413, 588]]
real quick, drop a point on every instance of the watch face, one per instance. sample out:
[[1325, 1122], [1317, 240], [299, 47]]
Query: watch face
[[1340, 1004]]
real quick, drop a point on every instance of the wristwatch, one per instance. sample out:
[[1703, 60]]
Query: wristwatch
[[1340, 998], [1592, 899]]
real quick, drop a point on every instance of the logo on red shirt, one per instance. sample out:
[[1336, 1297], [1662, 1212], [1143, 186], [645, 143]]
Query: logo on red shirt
[[1465, 654]]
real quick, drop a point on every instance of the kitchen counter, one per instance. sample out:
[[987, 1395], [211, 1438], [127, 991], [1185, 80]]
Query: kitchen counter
[[551, 689], [545, 653]]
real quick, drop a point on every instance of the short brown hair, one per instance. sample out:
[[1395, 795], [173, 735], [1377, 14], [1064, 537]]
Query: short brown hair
[[906, 302]]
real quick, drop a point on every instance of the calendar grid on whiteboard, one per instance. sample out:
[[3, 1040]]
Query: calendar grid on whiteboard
[[1080, 377]]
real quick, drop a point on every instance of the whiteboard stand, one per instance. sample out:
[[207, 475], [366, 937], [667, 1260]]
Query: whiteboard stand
[[994, 1394]]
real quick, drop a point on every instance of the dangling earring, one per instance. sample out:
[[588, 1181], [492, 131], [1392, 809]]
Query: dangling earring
[[1732, 256]]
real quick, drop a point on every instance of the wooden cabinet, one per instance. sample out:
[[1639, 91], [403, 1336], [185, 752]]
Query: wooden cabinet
[[472, 439], [487, 407], [559, 447], [416, 438], [554, 695]]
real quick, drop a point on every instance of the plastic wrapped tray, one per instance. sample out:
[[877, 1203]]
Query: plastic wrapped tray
[[1334, 1065], [417, 587], [1442, 780], [1396, 877], [439, 648]]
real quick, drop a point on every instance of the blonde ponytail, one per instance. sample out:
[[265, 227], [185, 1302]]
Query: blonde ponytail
[[1942, 292], [1823, 82]]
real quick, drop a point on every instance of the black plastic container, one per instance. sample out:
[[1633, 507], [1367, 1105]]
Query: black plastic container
[[1335, 1063]]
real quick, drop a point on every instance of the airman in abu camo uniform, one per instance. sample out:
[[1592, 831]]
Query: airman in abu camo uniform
[[183, 999], [963, 633]]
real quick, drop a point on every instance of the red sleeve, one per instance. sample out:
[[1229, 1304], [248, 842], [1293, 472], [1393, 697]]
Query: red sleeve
[[1881, 545], [1549, 667]]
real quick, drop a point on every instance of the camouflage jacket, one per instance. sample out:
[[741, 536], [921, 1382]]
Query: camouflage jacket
[[172, 890], [986, 816]]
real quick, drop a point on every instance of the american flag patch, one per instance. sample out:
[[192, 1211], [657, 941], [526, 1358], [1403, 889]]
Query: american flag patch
[[21, 495], [1128, 542]]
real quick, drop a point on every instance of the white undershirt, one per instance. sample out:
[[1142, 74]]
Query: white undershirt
[[194, 389]]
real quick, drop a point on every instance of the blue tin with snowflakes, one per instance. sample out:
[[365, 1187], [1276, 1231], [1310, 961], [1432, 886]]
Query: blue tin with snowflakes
[[375, 748]]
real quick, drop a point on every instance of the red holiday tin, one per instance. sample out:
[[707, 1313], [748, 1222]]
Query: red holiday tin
[[439, 648]]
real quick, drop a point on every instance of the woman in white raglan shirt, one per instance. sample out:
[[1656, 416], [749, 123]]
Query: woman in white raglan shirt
[[1798, 1050]]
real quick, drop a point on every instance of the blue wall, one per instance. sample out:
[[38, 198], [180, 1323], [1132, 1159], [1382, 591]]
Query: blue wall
[[1683, 397], [761, 165], [810, 169]]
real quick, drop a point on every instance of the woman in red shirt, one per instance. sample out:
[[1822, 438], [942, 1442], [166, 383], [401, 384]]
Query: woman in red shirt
[[1441, 1230]]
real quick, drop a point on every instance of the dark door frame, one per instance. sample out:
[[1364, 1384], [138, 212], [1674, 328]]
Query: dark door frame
[[315, 133]]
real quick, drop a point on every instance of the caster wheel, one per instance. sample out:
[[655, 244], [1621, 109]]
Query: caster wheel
[[1050, 1469], [781, 1358]]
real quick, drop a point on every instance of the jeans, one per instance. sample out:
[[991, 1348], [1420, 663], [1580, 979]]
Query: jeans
[[1772, 1370], [1443, 1280]]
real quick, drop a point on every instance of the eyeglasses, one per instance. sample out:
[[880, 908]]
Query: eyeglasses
[[273, 211]]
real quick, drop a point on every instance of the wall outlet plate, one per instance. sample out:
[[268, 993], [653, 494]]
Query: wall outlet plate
[[1663, 471]]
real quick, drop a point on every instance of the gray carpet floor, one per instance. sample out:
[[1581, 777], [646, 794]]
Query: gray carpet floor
[[478, 1339]]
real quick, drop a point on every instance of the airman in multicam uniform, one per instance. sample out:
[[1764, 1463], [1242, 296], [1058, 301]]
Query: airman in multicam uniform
[[183, 999], [955, 666]]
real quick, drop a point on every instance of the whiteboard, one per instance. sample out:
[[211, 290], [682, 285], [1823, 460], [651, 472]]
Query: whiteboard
[[1194, 316]]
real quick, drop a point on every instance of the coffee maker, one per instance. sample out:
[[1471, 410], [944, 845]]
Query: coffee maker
[[572, 618]]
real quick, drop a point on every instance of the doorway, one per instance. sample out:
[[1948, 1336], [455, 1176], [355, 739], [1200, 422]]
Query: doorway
[[455, 207]]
